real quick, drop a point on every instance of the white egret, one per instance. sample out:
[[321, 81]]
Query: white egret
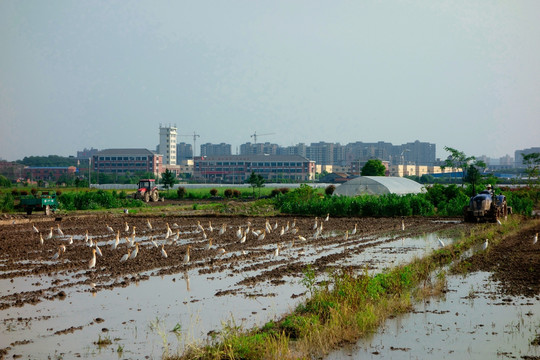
[[327, 217], [135, 252], [223, 229], [276, 251], [441, 243], [186, 256], [126, 227], [239, 232], [92, 262], [50, 236], [163, 252], [35, 228], [354, 230], [485, 245], [110, 229], [98, 250], [126, 256], [209, 245], [148, 224], [41, 239], [58, 230], [535, 239]]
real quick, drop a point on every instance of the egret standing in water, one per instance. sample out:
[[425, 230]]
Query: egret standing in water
[[441, 243], [186, 256], [92, 262]]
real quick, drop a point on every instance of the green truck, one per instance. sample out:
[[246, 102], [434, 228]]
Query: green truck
[[46, 201]]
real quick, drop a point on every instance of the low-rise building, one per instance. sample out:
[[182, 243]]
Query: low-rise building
[[48, 173], [238, 168], [121, 161]]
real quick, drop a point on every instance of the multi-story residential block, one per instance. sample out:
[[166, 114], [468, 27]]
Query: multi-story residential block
[[238, 168], [209, 149], [127, 160], [259, 149]]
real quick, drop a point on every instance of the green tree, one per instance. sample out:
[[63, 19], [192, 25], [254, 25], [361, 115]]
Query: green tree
[[470, 166], [373, 167], [533, 164], [256, 181], [168, 179]]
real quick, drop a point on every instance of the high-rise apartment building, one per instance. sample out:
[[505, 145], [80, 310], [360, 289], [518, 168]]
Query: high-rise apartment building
[[167, 144], [184, 152]]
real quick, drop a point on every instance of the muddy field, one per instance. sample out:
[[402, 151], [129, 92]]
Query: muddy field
[[48, 295]]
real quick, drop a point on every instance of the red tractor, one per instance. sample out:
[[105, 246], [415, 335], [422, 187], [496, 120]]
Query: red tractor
[[147, 191]]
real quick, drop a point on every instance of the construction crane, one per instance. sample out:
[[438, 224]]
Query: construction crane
[[195, 136], [254, 136]]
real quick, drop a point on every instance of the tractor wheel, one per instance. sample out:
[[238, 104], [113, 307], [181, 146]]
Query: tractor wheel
[[47, 210], [146, 197], [155, 195], [28, 211]]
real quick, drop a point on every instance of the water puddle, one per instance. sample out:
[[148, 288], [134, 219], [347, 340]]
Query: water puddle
[[470, 322]]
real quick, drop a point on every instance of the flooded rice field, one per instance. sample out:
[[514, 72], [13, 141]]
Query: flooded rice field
[[176, 287]]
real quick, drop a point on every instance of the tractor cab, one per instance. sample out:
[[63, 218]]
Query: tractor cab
[[147, 190]]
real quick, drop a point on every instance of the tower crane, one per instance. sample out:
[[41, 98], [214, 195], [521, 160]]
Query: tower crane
[[254, 136], [195, 136]]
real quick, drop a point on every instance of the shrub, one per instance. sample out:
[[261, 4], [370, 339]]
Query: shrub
[[33, 191], [181, 192], [275, 192], [24, 192], [15, 192], [284, 190], [4, 181], [228, 193], [213, 192], [329, 190], [237, 193], [7, 203]]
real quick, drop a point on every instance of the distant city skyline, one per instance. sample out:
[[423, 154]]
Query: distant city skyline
[[461, 73], [235, 148]]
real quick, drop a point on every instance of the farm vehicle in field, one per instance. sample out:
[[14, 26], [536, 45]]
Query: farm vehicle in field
[[147, 190], [46, 201], [486, 206]]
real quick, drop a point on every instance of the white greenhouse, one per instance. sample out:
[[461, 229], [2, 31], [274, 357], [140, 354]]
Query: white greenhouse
[[379, 185]]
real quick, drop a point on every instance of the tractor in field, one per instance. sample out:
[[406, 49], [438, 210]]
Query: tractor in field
[[147, 190], [486, 206], [45, 201]]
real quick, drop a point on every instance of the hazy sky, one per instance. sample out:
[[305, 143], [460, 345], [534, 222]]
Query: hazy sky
[[105, 74]]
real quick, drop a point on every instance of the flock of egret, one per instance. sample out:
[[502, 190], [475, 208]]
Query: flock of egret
[[243, 233]]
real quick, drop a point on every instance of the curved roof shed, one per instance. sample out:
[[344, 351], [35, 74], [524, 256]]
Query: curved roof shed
[[378, 185]]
